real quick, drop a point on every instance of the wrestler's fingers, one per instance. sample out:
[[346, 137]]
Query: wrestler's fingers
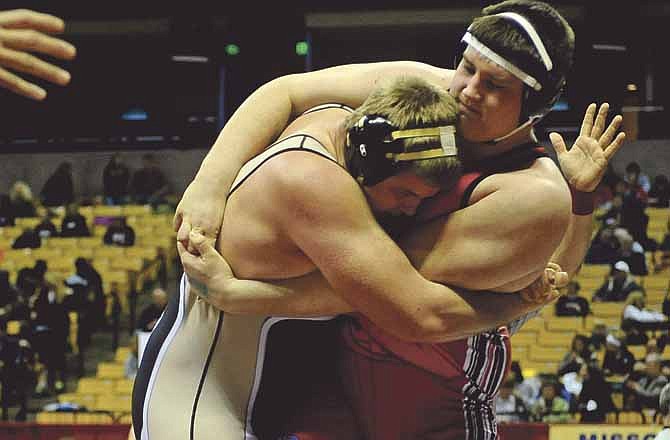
[[202, 244], [612, 148], [177, 220], [28, 19], [561, 279], [601, 118], [558, 143], [611, 132], [587, 122]]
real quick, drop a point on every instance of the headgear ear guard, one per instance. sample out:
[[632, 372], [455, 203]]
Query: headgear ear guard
[[543, 84], [377, 147]]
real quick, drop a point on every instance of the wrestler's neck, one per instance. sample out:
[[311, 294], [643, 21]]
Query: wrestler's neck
[[523, 134]]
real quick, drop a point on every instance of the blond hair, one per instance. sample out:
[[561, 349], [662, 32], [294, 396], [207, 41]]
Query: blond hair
[[412, 102], [20, 191]]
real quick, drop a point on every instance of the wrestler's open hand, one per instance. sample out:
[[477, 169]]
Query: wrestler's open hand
[[586, 162], [199, 210], [545, 289], [208, 272], [21, 32]]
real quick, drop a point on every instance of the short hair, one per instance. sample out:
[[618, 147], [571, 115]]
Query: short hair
[[633, 167], [411, 102], [20, 191], [512, 43]]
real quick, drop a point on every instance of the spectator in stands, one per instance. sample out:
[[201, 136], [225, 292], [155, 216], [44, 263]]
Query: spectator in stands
[[153, 311], [23, 203], [509, 407], [612, 215], [595, 399], [6, 213], [59, 188], [632, 252], [96, 292], [74, 224], [46, 228], [115, 180], [634, 336], [51, 328], [28, 280], [578, 355], [8, 293], [29, 239], [149, 185], [119, 233], [637, 315], [605, 247], [659, 194], [647, 389], [81, 301], [550, 407], [17, 372], [618, 360], [571, 304], [664, 247], [598, 337], [115, 314], [618, 285], [636, 179], [528, 389]]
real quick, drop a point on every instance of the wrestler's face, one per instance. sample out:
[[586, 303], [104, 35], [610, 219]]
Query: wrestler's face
[[489, 98], [399, 194]]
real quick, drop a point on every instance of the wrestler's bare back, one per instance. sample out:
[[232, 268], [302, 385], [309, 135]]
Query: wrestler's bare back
[[251, 239]]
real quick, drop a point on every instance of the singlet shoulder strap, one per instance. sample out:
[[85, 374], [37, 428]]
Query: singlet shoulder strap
[[326, 107], [296, 142]]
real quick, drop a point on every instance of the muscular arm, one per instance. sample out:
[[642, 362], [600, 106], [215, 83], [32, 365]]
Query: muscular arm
[[339, 234], [501, 242]]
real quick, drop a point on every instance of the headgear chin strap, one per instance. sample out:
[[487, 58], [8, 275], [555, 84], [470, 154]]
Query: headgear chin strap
[[544, 86], [378, 151]]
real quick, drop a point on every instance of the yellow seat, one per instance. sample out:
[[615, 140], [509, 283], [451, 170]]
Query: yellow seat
[[62, 243], [10, 232], [535, 367], [137, 210], [144, 252], [607, 309], [639, 351], [524, 337], [85, 400], [597, 271], [61, 264], [114, 403], [111, 252], [126, 419], [27, 222], [630, 418], [115, 276], [13, 327], [611, 418], [128, 263], [54, 418], [124, 386], [110, 370], [121, 354], [536, 324], [90, 242], [546, 354], [96, 386], [107, 211], [565, 324], [46, 253], [655, 282], [556, 339], [617, 399]]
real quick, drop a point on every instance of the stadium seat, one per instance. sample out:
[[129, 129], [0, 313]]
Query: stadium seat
[[107, 211], [114, 403], [144, 252], [55, 418], [91, 385], [535, 324], [639, 351], [47, 253], [607, 309], [524, 337], [128, 263], [136, 210], [123, 386], [547, 354], [112, 252], [110, 370], [121, 354], [630, 418], [82, 418], [61, 243], [594, 271], [565, 324], [85, 400], [556, 339]]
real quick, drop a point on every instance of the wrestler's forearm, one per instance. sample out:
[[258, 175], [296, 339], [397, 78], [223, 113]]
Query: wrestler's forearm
[[572, 249], [306, 296]]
